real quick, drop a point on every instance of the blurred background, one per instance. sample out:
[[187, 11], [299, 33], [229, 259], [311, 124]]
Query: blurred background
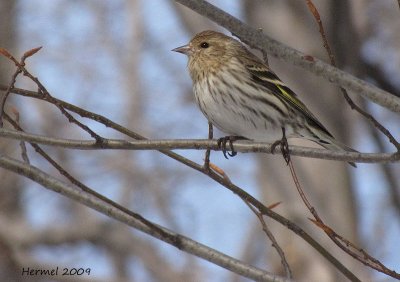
[[114, 58]]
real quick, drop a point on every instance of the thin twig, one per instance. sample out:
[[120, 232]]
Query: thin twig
[[43, 91], [290, 225], [391, 176], [275, 244], [353, 105], [221, 172], [24, 153], [357, 253], [301, 192], [20, 68], [11, 85]]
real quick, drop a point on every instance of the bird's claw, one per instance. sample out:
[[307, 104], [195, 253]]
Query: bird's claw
[[284, 147], [222, 145]]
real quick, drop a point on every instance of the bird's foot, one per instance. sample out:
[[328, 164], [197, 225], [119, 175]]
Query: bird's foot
[[284, 147], [222, 145]]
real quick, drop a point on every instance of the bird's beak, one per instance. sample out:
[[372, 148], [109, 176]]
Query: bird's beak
[[185, 49]]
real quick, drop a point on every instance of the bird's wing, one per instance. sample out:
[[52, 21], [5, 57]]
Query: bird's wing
[[263, 76]]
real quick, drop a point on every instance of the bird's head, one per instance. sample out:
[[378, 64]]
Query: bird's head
[[208, 51]]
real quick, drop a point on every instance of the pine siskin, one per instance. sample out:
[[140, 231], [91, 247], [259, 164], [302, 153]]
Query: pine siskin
[[241, 96]]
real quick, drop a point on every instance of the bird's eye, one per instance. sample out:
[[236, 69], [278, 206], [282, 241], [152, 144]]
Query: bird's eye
[[204, 45]]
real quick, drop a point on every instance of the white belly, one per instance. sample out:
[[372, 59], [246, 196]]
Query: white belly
[[236, 117]]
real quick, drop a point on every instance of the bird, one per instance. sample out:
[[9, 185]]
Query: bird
[[240, 95]]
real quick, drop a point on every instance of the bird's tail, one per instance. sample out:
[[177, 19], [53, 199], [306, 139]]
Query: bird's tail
[[332, 144]]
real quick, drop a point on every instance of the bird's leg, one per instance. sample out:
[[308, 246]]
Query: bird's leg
[[284, 147], [222, 144], [208, 151]]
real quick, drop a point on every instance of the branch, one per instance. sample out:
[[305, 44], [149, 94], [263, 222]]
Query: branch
[[296, 151], [41, 89], [271, 237], [254, 38], [197, 144], [346, 96], [221, 179], [181, 242]]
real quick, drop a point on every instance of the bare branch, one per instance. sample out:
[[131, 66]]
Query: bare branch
[[5, 53], [177, 240], [41, 89], [255, 39], [275, 244], [24, 153], [198, 144], [240, 147], [82, 186], [353, 105], [352, 250], [224, 181], [277, 217], [210, 173]]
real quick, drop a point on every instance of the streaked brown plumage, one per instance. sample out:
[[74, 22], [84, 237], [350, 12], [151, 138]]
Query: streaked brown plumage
[[241, 96]]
